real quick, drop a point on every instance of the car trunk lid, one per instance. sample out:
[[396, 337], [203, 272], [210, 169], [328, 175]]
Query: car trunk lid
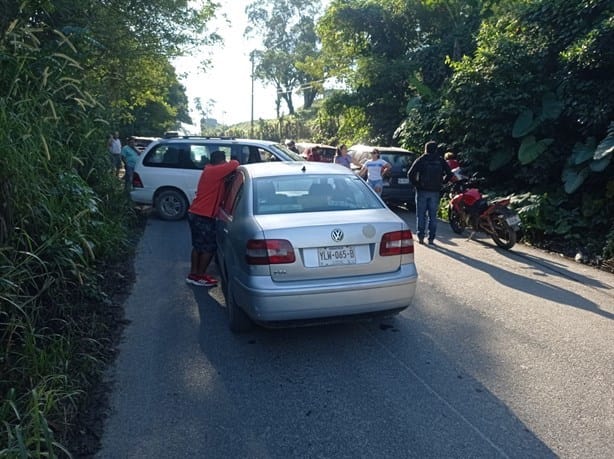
[[333, 244]]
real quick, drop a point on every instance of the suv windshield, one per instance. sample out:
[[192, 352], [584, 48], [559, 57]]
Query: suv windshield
[[294, 156]]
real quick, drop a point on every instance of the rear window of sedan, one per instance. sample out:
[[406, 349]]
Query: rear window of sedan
[[312, 193], [398, 159]]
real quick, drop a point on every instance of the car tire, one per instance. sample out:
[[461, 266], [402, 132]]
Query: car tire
[[171, 205], [238, 320]]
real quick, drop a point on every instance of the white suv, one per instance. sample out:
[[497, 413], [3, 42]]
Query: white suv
[[167, 172]]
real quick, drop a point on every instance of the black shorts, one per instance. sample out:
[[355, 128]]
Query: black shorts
[[203, 233]]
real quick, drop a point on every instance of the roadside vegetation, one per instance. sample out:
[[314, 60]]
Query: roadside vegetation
[[71, 73], [521, 90]]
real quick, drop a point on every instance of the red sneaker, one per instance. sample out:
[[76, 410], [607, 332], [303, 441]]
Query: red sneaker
[[197, 280], [209, 281]]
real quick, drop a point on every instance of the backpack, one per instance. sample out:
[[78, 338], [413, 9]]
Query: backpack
[[431, 175]]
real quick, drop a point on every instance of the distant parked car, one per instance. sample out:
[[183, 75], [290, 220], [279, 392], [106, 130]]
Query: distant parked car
[[167, 172], [397, 189], [327, 152], [309, 242], [142, 142]]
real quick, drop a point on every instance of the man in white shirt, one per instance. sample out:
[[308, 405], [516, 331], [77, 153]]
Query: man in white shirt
[[114, 145]]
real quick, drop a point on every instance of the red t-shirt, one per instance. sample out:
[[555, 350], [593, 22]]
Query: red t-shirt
[[211, 187], [453, 163]]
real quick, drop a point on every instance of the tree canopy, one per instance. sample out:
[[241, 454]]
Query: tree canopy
[[290, 48], [521, 89]]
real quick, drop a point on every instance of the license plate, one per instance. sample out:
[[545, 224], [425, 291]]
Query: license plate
[[514, 220], [403, 181], [330, 256]]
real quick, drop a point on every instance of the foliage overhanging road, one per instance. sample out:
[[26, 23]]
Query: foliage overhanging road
[[501, 355]]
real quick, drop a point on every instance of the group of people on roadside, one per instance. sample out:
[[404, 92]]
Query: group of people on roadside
[[127, 154]]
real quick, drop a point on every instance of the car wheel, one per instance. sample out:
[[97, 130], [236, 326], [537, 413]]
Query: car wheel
[[171, 205], [238, 320]]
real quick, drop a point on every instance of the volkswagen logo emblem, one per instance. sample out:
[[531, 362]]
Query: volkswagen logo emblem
[[337, 235]]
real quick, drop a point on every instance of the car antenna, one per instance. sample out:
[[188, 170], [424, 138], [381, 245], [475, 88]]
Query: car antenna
[[303, 168]]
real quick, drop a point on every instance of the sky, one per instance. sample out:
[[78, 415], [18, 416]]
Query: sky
[[228, 80]]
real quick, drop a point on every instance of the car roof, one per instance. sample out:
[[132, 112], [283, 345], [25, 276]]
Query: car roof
[[230, 140], [311, 145], [274, 168], [362, 148]]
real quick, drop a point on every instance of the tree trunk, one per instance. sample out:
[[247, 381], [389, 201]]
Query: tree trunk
[[309, 95], [287, 96]]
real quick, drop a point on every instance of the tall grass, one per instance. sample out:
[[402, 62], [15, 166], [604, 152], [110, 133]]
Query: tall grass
[[61, 213]]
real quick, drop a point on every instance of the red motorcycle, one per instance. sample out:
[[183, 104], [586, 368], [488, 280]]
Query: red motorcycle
[[468, 208]]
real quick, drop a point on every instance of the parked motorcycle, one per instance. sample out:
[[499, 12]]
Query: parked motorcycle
[[468, 208]]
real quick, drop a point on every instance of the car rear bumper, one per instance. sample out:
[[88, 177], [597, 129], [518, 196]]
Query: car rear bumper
[[268, 301], [141, 196], [398, 194]]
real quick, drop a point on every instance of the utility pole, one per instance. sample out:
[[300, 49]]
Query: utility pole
[[251, 124]]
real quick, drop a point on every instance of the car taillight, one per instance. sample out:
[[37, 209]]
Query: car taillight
[[396, 243], [269, 252], [136, 181]]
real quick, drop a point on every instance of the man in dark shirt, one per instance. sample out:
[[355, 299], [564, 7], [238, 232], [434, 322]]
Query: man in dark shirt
[[428, 173]]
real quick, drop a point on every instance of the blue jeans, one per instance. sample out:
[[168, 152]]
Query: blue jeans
[[427, 203], [128, 177]]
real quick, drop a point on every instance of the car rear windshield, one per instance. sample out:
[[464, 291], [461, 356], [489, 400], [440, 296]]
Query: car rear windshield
[[312, 193], [398, 159]]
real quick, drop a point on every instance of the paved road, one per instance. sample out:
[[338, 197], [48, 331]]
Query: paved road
[[502, 354]]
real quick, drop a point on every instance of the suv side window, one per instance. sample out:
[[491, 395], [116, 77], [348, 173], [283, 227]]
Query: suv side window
[[186, 155], [170, 155], [266, 155], [200, 155]]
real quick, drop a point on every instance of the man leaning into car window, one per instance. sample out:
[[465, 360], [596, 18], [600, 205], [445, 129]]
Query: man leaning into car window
[[201, 216]]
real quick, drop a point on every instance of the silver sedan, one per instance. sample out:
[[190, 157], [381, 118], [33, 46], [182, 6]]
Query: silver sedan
[[309, 242]]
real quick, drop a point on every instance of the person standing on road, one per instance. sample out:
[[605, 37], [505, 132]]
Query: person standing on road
[[292, 146], [375, 168], [342, 157], [427, 174], [202, 217], [114, 146], [129, 155]]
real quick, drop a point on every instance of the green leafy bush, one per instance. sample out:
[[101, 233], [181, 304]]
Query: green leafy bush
[[61, 212]]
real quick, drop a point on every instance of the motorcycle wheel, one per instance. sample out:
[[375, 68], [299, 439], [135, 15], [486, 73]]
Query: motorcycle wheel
[[456, 221], [504, 235]]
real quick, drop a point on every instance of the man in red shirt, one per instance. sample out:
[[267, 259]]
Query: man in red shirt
[[202, 214]]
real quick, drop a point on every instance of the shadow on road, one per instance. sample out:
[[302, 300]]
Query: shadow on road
[[366, 389], [541, 289]]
